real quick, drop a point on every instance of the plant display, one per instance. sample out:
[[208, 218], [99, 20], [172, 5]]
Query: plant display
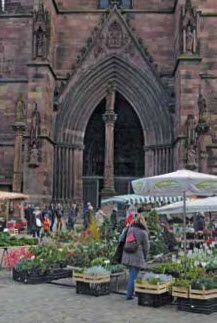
[[96, 271], [115, 269], [6, 240], [154, 279], [14, 256], [157, 243], [181, 283], [207, 282]]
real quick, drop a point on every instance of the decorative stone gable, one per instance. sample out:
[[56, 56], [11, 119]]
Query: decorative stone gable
[[112, 37], [41, 32]]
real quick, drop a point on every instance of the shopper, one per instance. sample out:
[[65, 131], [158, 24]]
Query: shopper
[[134, 259]]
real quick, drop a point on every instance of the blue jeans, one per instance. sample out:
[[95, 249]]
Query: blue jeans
[[133, 273]]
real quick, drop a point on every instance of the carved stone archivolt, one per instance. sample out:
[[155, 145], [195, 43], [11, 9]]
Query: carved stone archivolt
[[41, 32], [188, 26], [34, 144]]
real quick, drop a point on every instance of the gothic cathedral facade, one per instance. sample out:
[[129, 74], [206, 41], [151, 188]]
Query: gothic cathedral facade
[[96, 93]]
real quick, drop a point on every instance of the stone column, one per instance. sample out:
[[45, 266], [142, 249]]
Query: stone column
[[18, 164], [77, 176], [109, 118]]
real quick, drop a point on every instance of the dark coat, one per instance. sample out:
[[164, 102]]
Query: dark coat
[[137, 259]]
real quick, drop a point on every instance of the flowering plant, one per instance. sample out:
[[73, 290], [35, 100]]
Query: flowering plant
[[14, 256]]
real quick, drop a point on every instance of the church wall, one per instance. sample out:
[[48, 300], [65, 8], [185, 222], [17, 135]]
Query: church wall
[[15, 47], [138, 4]]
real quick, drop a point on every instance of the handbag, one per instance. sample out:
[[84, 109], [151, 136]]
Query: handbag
[[120, 247], [131, 244]]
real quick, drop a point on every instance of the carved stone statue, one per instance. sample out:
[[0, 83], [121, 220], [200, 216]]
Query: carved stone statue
[[115, 36], [189, 40], [20, 111], [40, 43], [191, 156], [34, 154], [110, 98], [35, 126], [191, 133], [189, 23], [202, 106]]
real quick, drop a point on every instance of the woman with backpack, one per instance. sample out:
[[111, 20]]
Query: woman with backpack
[[37, 222], [135, 251]]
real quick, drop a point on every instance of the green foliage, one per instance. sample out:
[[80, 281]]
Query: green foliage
[[182, 283], [6, 240], [207, 282], [114, 269]]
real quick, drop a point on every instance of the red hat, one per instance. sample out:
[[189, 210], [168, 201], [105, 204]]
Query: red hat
[[129, 218]]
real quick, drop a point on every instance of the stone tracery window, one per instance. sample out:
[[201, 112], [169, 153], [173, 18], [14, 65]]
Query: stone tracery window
[[2, 5], [125, 4]]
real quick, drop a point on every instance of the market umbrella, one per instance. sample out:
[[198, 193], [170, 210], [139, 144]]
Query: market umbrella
[[183, 182], [208, 204], [7, 196]]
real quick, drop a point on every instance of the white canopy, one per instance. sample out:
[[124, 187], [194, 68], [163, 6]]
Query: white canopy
[[208, 204], [176, 183], [12, 196], [134, 198]]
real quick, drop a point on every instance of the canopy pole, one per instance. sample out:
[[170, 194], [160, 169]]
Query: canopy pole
[[184, 233]]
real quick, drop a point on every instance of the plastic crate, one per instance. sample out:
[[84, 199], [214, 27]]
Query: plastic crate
[[154, 300], [208, 306], [36, 278], [93, 289]]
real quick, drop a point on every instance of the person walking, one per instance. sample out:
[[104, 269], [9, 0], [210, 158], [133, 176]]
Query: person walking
[[59, 215], [72, 217], [37, 222], [135, 251]]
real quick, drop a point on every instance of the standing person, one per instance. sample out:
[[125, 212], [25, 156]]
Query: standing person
[[87, 216], [52, 216], [135, 260], [46, 224], [72, 217], [29, 217], [37, 222], [59, 215], [113, 219]]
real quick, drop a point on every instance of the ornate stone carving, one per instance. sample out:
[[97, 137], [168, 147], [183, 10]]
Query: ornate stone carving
[[203, 122], [20, 110], [189, 23], [109, 117], [191, 143], [41, 32], [114, 36], [34, 137]]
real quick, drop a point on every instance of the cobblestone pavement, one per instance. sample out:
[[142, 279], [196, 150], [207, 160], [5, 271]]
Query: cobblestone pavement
[[52, 303]]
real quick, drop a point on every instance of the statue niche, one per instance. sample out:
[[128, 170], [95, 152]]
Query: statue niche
[[189, 23], [34, 137], [41, 32]]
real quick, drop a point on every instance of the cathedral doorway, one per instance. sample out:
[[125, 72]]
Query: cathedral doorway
[[128, 150]]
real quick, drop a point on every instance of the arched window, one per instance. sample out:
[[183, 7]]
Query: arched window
[[125, 4], [2, 5]]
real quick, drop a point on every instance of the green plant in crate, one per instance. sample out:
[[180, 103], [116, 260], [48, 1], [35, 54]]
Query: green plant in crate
[[115, 269], [178, 282], [207, 282]]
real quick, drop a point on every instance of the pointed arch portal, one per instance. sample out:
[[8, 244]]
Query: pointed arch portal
[[143, 124]]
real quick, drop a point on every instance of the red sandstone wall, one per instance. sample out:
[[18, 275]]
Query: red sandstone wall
[[138, 4]]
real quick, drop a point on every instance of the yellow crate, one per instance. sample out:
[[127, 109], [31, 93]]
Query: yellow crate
[[182, 292], [90, 278], [202, 294], [146, 288]]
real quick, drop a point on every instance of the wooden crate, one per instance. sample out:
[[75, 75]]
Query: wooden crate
[[146, 288], [202, 294], [90, 278], [182, 292]]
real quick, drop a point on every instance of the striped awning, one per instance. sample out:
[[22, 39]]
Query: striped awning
[[138, 199]]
